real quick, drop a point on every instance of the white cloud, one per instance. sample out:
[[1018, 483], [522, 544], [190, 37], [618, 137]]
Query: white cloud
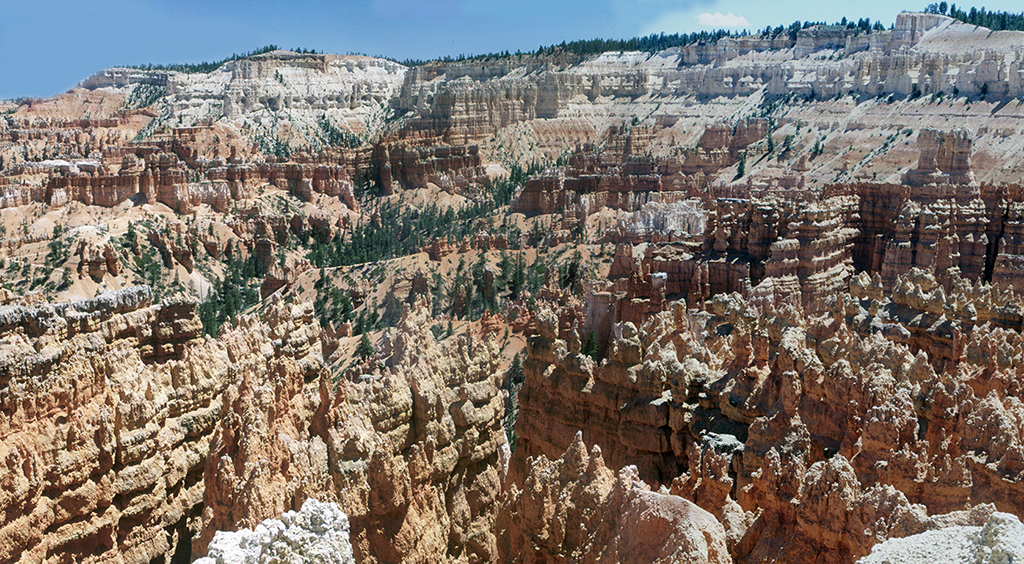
[[681, 21], [718, 19]]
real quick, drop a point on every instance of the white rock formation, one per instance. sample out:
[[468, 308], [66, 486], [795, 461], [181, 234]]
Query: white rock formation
[[308, 100], [925, 54], [308, 92], [677, 219], [1000, 541], [317, 533]]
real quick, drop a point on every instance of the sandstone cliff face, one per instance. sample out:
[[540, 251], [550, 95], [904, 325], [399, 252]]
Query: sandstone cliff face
[[96, 261], [771, 251], [230, 115], [945, 158], [795, 431], [467, 101], [623, 174], [346, 91], [410, 454], [126, 436], [774, 250], [451, 168], [416, 452], [575, 509], [163, 177], [105, 419], [800, 371], [594, 180], [146, 174], [282, 391]]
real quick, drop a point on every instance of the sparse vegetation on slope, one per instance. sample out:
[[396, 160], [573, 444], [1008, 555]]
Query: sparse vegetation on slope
[[206, 66], [994, 20]]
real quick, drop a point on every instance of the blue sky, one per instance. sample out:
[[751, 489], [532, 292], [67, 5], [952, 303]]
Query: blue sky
[[47, 46]]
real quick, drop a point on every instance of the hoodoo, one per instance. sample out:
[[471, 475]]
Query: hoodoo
[[711, 298]]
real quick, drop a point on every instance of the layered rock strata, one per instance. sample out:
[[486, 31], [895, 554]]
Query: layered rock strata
[[106, 415], [774, 251], [163, 178], [621, 177], [769, 251], [466, 102], [128, 437], [945, 158], [343, 90], [410, 453], [451, 168], [155, 176]]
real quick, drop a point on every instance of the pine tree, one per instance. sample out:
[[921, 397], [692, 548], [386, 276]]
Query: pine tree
[[365, 348], [518, 278], [817, 150], [515, 371], [505, 268], [742, 169], [590, 346]]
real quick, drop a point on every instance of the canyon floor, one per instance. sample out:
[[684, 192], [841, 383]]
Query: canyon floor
[[749, 299]]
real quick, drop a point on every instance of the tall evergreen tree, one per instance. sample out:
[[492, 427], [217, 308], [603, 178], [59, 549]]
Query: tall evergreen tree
[[365, 348]]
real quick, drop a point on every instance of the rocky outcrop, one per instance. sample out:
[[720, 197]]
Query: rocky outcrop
[[462, 104], [944, 236], [163, 178], [945, 158], [409, 453], [100, 437], [656, 222], [919, 312], [109, 408], [911, 26], [772, 372], [96, 261], [770, 251], [430, 434], [12, 196], [620, 176], [104, 190], [833, 431], [318, 532], [172, 246], [451, 168], [322, 92], [576, 509], [1000, 539], [283, 391], [924, 55], [578, 192]]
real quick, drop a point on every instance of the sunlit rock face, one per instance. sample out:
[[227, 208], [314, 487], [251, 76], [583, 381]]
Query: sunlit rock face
[[771, 313], [318, 532]]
